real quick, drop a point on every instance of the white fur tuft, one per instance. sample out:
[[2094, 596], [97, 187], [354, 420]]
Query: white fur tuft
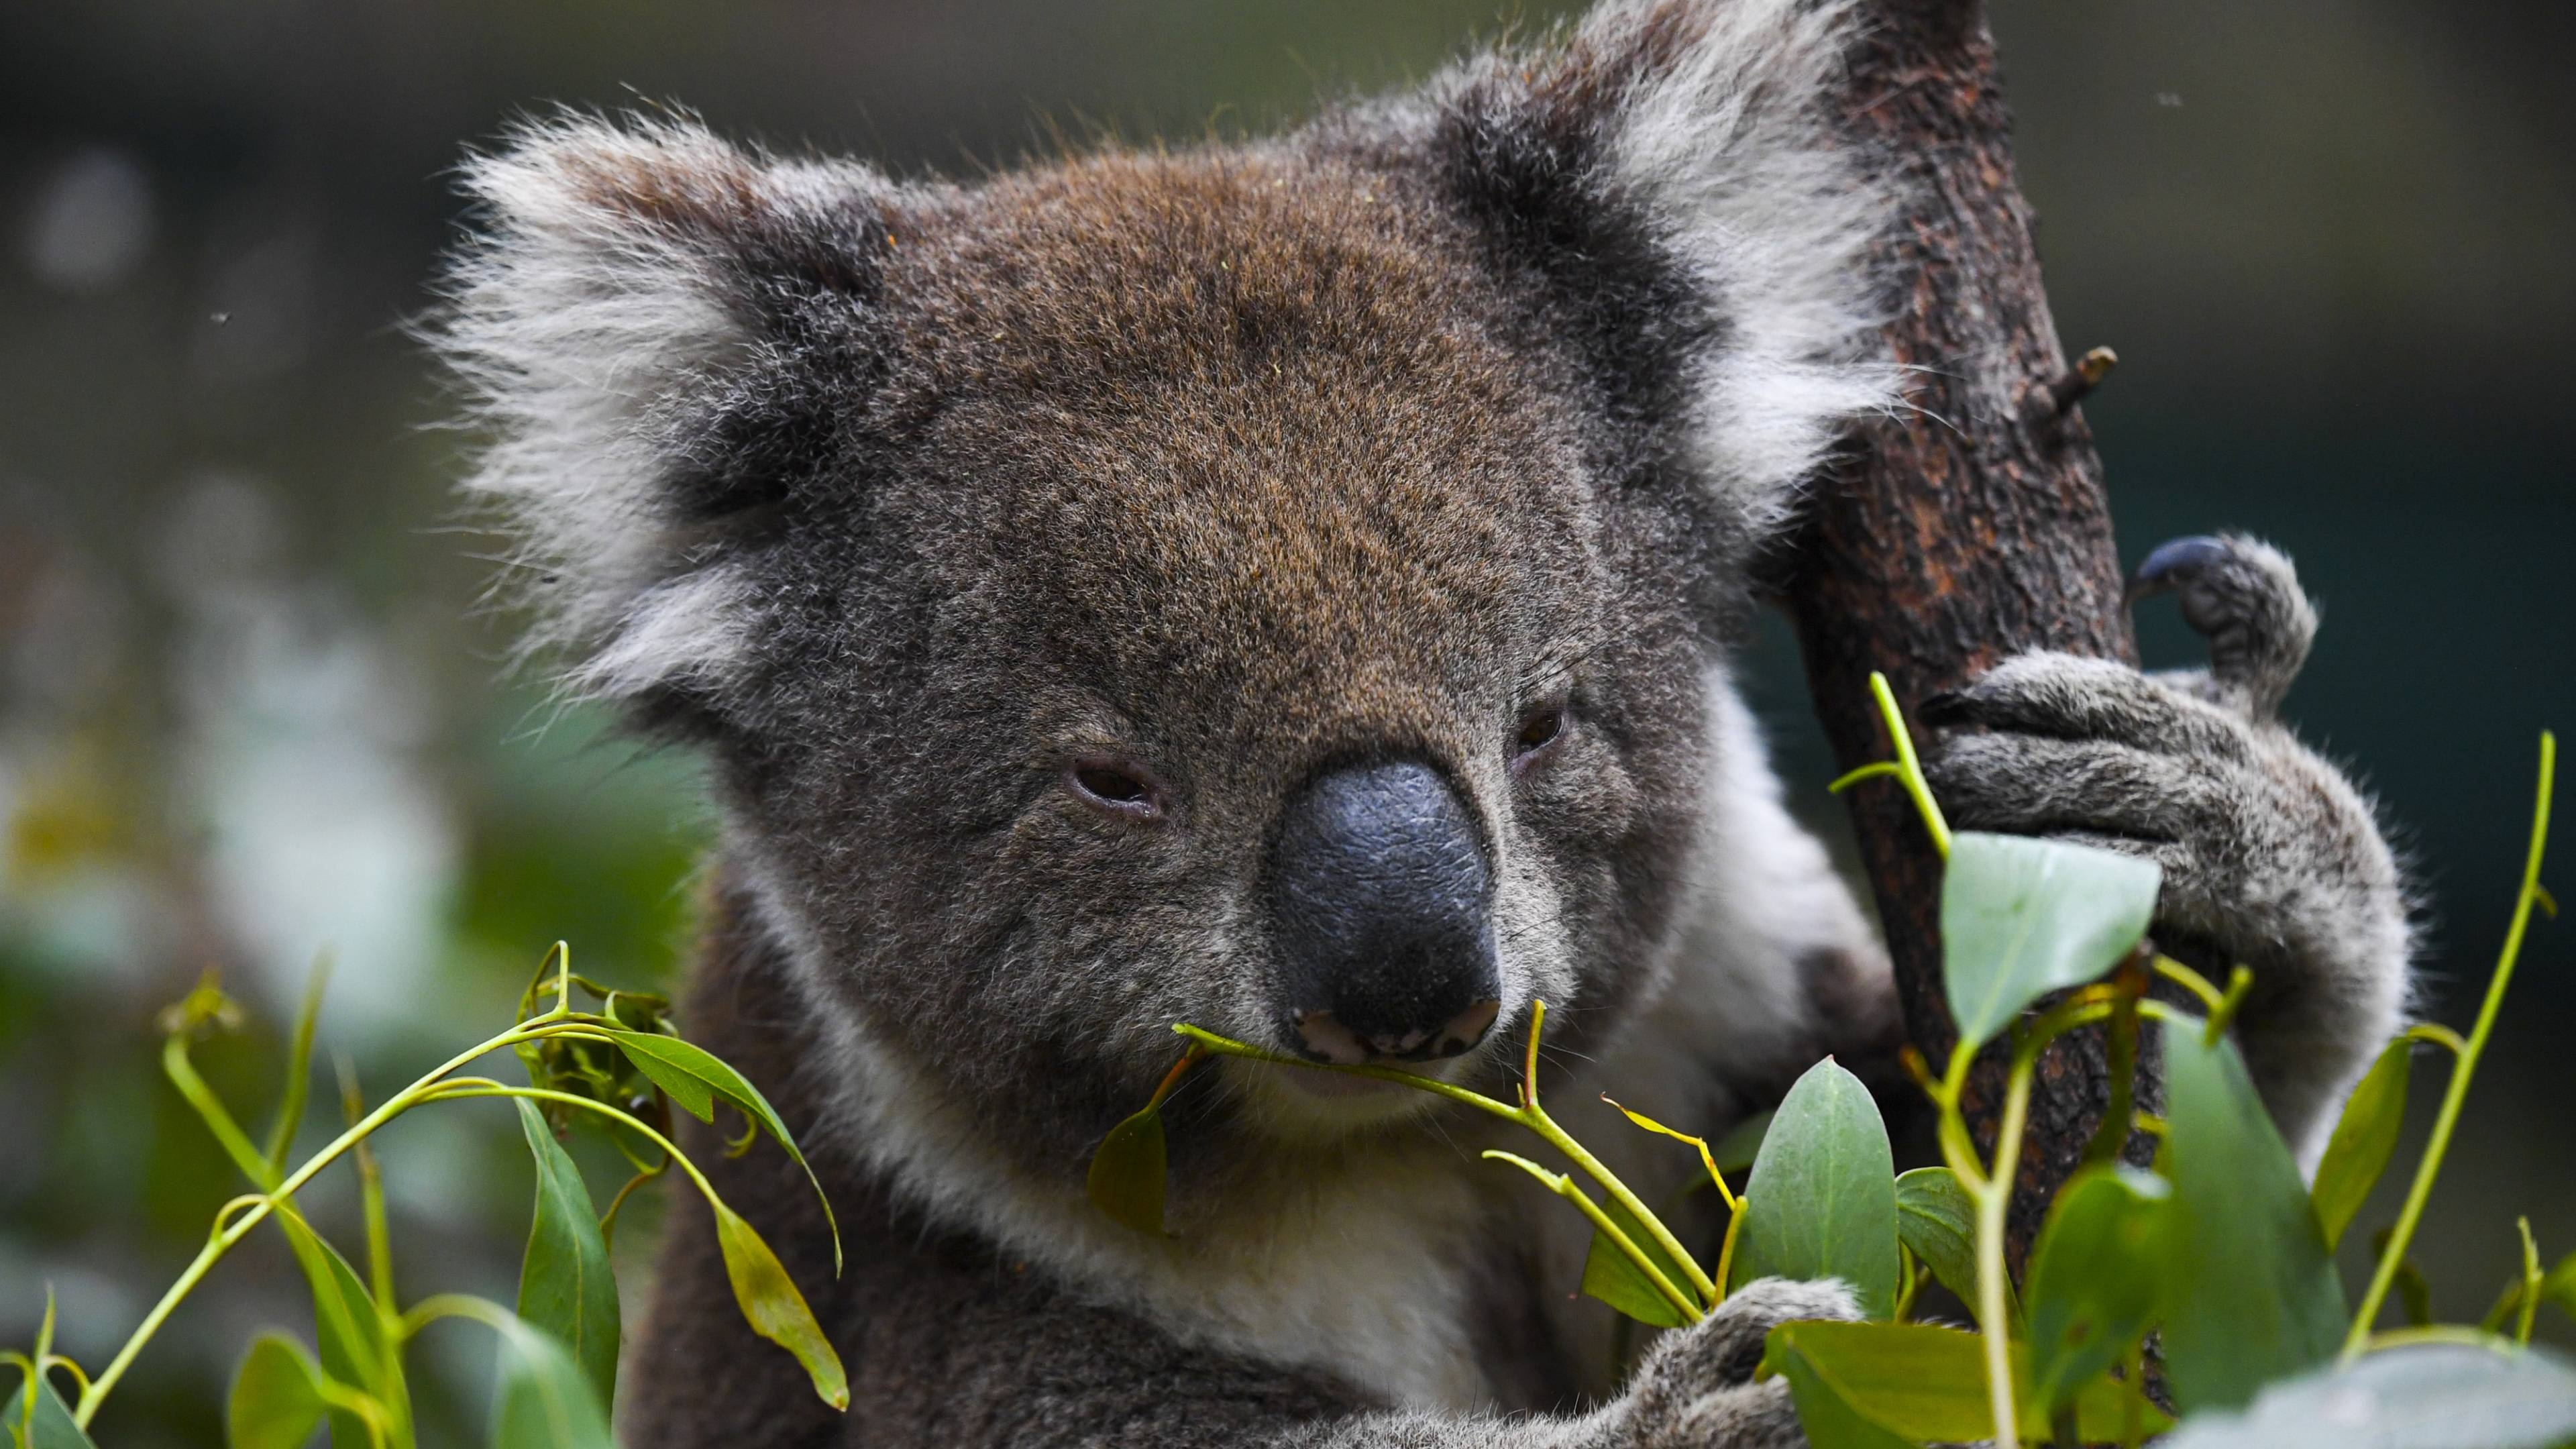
[[581, 327], [1736, 149]]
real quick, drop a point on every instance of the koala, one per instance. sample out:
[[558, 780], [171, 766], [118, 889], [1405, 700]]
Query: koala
[[1292, 587]]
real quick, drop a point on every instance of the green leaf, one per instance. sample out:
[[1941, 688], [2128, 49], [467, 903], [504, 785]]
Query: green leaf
[[687, 1074], [545, 1400], [565, 1285], [2253, 1295], [2095, 1278], [1936, 1218], [1822, 1199], [1922, 1383], [351, 1334], [276, 1401], [1126, 1179], [1610, 1276], [1826, 1413], [2021, 918], [2364, 1138], [53, 1428], [773, 1307], [1736, 1150], [2422, 1396]]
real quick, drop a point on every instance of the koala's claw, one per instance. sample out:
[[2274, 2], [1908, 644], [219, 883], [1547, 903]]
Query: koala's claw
[[2243, 596]]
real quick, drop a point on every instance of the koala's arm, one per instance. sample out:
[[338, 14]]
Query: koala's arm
[[2271, 857]]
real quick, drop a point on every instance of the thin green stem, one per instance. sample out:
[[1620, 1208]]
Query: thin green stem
[[1563, 1186], [1531, 1117], [1905, 767], [2439, 1035], [221, 1240], [2457, 1090], [299, 1067], [2530, 1283]]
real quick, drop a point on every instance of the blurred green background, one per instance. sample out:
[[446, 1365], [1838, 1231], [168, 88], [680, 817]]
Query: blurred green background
[[250, 707]]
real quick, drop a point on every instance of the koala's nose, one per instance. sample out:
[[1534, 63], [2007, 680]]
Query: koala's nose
[[1382, 905]]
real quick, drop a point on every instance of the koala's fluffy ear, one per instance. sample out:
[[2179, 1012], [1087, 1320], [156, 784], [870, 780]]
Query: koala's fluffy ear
[[1671, 173], [642, 328]]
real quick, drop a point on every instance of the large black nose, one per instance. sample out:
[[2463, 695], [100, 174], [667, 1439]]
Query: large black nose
[[1382, 904]]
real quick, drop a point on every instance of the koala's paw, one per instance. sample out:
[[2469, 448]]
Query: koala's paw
[[1696, 1389], [2271, 858]]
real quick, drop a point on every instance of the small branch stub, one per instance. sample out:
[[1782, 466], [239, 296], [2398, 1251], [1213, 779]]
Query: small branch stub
[[2072, 386]]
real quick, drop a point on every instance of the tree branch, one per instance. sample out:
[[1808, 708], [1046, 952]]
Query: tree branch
[[1972, 527]]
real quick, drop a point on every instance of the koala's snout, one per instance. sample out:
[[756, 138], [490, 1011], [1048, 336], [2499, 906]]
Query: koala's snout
[[1381, 904]]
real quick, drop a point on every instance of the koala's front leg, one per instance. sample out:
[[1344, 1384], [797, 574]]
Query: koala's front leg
[[2271, 857]]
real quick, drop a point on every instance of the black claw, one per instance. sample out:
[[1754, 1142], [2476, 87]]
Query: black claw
[[2173, 563], [1948, 706]]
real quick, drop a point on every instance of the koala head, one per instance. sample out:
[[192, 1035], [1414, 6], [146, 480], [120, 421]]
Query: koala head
[[1267, 586]]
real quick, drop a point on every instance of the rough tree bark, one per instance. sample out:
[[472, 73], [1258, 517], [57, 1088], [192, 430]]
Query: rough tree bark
[[1972, 527]]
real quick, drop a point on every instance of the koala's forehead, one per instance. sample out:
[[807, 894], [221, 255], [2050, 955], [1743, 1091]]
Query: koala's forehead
[[1237, 406]]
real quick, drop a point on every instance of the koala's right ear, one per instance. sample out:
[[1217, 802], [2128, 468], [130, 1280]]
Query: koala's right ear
[[656, 330]]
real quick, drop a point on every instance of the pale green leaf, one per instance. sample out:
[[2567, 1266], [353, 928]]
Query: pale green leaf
[[2422, 1396], [1609, 1274], [565, 1285], [2364, 1139], [2095, 1277], [1924, 1383], [53, 1426], [545, 1399], [773, 1307], [1822, 1199], [1127, 1172], [276, 1400], [2253, 1295], [351, 1334], [1936, 1219], [2021, 918]]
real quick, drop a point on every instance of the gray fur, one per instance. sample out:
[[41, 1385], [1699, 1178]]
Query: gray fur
[[1228, 465]]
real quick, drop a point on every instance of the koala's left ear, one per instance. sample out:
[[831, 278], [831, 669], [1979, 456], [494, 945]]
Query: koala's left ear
[[651, 326], [1671, 176]]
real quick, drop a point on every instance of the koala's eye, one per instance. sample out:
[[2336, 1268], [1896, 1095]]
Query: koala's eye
[[1114, 788], [1540, 730]]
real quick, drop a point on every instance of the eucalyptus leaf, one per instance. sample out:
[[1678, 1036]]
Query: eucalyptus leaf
[[1127, 1172], [2096, 1277], [773, 1307], [2252, 1296], [276, 1400], [690, 1074], [544, 1399], [350, 1333], [2364, 1139], [2422, 1396], [53, 1426], [1924, 1383], [1609, 1275], [1822, 1199], [1826, 1414], [565, 1285], [2022, 917], [1936, 1218]]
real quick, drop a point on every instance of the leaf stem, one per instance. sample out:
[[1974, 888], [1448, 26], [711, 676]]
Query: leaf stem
[[224, 1235], [2457, 1091], [1563, 1186], [1905, 767]]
